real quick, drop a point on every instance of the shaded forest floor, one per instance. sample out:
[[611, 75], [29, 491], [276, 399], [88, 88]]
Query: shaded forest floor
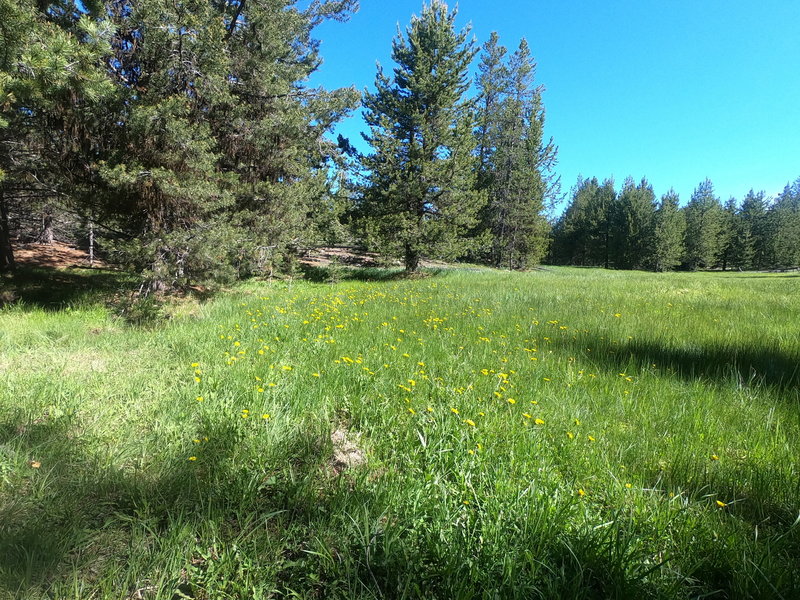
[[56, 255]]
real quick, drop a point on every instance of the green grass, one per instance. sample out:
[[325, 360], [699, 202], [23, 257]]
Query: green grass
[[568, 433]]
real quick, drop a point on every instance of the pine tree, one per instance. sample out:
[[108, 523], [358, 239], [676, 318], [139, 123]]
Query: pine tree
[[600, 215], [633, 224], [583, 234], [185, 127], [729, 241], [667, 248], [516, 163], [220, 158], [704, 221], [571, 232], [752, 232], [492, 82], [421, 198], [52, 87], [784, 223]]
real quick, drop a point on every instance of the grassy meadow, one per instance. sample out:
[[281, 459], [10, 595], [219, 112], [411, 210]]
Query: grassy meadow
[[563, 433]]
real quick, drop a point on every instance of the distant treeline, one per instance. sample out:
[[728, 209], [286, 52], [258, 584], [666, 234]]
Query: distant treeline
[[631, 229], [183, 138]]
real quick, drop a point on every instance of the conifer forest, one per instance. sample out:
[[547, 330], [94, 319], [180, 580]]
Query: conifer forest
[[184, 140]]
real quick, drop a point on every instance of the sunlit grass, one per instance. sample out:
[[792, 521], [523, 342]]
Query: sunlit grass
[[561, 433]]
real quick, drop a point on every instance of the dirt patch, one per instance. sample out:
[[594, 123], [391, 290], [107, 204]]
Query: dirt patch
[[347, 454], [54, 256], [351, 257]]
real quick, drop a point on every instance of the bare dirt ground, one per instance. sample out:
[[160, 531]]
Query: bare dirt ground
[[55, 256], [64, 256], [353, 257]]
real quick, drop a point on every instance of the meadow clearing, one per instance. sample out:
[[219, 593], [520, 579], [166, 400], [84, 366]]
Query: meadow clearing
[[562, 433]]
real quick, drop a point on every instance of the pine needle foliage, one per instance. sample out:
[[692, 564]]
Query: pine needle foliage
[[420, 196], [186, 128], [516, 163], [704, 223]]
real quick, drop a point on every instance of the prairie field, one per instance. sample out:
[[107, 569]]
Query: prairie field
[[561, 433]]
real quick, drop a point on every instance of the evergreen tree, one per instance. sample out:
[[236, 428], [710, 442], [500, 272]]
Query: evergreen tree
[[185, 127], [221, 154], [571, 233], [704, 221], [784, 224], [600, 215], [752, 232], [633, 224], [421, 197], [667, 249], [730, 243], [492, 82], [583, 235], [516, 164], [52, 88]]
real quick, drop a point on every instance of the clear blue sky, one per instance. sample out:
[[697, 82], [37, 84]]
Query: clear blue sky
[[673, 90]]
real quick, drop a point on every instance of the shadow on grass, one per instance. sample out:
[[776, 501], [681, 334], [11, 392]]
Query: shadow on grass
[[773, 276], [76, 519], [745, 366], [73, 518], [318, 274], [55, 289]]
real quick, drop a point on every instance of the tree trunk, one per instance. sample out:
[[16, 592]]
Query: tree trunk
[[157, 282], [46, 235], [6, 251], [91, 243], [411, 259]]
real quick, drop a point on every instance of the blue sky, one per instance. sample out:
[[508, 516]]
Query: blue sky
[[675, 90]]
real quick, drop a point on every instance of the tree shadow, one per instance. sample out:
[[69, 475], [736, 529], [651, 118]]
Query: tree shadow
[[746, 365], [334, 274], [54, 289], [73, 513], [773, 276]]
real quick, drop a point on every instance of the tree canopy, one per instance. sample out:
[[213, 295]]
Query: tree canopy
[[186, 135]]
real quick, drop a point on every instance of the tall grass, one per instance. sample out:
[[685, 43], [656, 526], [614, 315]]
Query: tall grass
[[568, 433]]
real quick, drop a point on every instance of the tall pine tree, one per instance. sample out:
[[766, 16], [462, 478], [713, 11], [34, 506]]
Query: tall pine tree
[[704, 222], [221, 157], [784, 224], [420, 197], [667, 245], [633, 224], [516, 163], [583, 234], [52, 93], [752, 230], [729, 234]]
